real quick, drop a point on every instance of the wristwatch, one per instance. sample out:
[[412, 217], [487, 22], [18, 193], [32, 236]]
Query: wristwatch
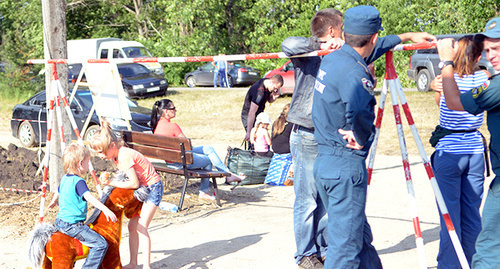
[[442, 64]]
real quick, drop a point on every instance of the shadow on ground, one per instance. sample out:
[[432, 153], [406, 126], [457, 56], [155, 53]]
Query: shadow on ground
[[203, 254]]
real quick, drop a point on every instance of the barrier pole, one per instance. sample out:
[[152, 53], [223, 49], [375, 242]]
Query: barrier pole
[[50, 115], [378, 124], [58, 108], [77, 133], [397, 91]]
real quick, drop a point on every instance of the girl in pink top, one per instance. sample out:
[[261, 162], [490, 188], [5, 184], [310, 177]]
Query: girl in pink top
[[259, 136], [204, 157], [140, 173]]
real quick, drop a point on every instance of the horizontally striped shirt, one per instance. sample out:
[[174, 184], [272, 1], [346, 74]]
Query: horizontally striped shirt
[[462, 143]]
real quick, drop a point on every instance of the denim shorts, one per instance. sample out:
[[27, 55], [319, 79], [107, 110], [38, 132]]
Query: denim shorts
[[155, 193]]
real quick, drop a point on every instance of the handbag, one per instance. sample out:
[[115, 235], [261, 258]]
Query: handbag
[[279, 170], [248, 163]]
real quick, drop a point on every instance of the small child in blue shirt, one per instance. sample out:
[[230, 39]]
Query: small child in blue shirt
[[72, 197]]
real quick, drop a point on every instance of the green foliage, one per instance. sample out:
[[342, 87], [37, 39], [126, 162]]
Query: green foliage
[[209, 27]]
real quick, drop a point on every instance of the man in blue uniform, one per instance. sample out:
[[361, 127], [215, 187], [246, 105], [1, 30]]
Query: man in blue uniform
[[343, 115], [486, 97]]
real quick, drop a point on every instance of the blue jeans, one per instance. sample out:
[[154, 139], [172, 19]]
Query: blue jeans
[[460, 178], [309, 214], [343, 182], [216, 72], [203, 158], [88, 237], [488, 241], [222, 77], [155, 193]]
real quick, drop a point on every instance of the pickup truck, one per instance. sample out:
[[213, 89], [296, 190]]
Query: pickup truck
[[81, 50], [424, 65]]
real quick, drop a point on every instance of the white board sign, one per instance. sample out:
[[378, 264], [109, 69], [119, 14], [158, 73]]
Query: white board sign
[[107, 90]]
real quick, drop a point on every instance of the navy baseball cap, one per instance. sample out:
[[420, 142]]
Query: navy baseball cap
[[362, 20], [492, 30]]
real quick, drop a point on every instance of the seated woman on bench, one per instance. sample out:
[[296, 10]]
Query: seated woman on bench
[[204, 157]]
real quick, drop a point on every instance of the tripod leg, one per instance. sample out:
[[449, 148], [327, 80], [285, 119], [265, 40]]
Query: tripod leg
[[397, 89]]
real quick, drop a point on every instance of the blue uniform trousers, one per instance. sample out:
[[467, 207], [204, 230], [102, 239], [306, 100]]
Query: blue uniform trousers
[[460, 178], [342, 182], [309, 213], [488, 243]]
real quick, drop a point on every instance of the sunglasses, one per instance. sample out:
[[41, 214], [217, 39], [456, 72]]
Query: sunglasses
[[171, 108]]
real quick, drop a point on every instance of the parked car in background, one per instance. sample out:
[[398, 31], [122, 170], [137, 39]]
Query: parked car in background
[[288, 74], [73, 73], [139, 82], [238, 74], [424, 65], [28, 119]]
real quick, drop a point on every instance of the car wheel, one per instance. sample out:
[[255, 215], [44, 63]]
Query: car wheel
[[191, 82], [90, 132], [423, 80], [26, 134]]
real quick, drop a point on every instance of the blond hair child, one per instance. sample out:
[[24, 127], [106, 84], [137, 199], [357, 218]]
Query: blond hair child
[[72, 197], [140, 173]]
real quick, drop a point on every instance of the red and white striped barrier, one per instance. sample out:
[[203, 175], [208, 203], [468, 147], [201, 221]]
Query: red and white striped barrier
[[57, 91], [392, 82], [415, 46], [234, 57], [20, 203], [18, 190], [75, 129], [189, 59]]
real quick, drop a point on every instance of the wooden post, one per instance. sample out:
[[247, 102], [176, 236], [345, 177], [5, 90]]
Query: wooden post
[[54, 32]]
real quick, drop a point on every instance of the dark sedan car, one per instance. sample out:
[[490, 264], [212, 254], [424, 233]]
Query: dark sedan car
[[138, 81], [28, 118], [238, 74]]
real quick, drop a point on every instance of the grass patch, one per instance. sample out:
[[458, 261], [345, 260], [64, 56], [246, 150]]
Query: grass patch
[[213, 116]]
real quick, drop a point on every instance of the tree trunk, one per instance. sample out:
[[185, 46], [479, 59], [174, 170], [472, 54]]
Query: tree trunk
[[54, 31]]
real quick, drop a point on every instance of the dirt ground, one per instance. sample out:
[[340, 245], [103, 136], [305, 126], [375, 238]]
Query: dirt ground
[[253, 228], [18, 167]]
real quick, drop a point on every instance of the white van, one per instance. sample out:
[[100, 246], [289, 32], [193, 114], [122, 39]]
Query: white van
[[108, 48]]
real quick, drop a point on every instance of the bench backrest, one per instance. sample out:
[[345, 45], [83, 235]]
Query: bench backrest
[[159, 147]]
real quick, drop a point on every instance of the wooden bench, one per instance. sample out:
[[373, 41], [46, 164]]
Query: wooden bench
[[172, 149]]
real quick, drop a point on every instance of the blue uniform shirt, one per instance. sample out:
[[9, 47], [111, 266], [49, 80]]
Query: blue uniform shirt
[[344, 98], [487, 97]]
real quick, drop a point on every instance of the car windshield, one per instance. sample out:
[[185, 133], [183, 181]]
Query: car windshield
[[75, 69], [136, 52], [86, 98], [132, 70]]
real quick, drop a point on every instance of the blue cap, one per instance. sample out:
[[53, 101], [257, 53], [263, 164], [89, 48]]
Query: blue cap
[[492, 30], [362, 20]]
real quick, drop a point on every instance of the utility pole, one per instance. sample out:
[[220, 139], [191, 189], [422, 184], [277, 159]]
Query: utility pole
[[54, 33]]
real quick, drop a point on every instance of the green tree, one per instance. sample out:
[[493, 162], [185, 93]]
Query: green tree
[[210, 27], [21, 39]]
